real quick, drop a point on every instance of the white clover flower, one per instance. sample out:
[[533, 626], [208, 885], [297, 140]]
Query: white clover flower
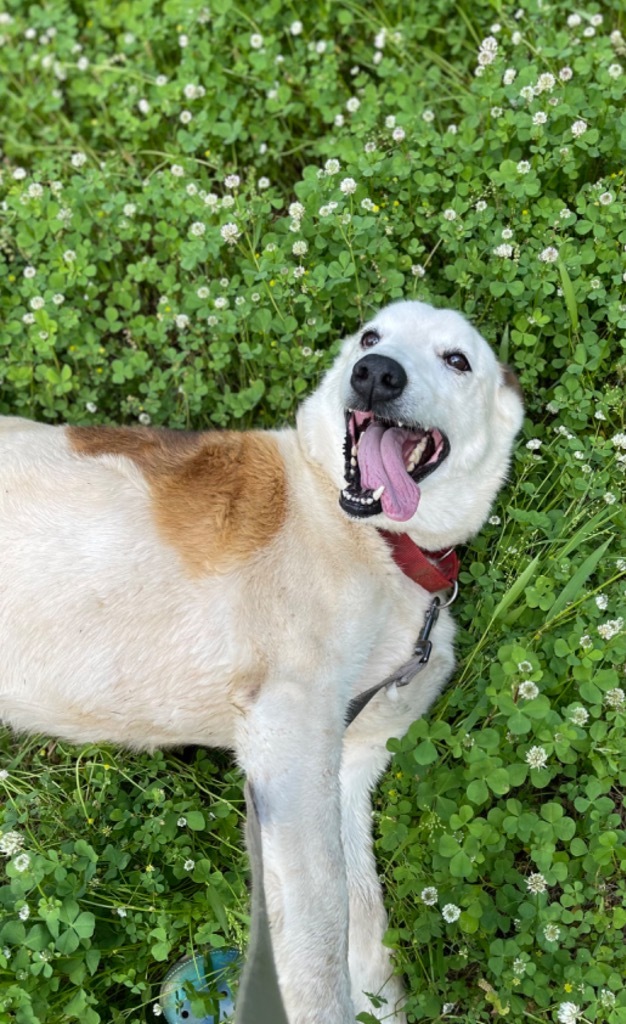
[[620, 564], [221, 302], [91, 407], [574, 20], [321, 46], [495, 521], [534, 444], [189, 865], [129, 210], [263, 183], [496, 112], [37, 302], [58, 299], [230, 233], [429, 895], [536, 883], [29, 272], [227, 202], [212, 321], [143, 106], [428, 116], [378, 56], [256, 41], [197, 229], [519, 967], [177, 170], [527, 92], [339, 120], [24, 912], [185, 116], [545, 82], [182, 322], [549, 255], [551, 932], [480, 206], [602, 601], [536, 757], [504, 250], [22, 862], [568, 1013], [615, 70], [606, 198], [298, 272], [579, 128], [157, 1009], [10, 843], [348, 186], [524, 666], [353, 105], [144, 417], [69, 256], [615, 698], [451, 913], [183, 41], [239, 300], [398, 135], [608, 630], [528, 690], [589, 32], [619, 440], [300, 248], [586, 642], [160, 81], [490, 44], [516, 38], [418, 270], [453, 128], [449, 214], [332, 167], [370, 147], [390, 121], [507, 234], [579, 716], [296, 210], [607, 998], [78, 159], [232, 181], [296, 28], [509, 76], [380, 39], [540, 117], [35, 191]]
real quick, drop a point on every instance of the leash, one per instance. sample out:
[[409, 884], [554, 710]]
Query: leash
[[432, 577]]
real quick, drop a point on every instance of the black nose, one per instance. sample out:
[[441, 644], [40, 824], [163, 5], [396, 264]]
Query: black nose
[[378, 379]]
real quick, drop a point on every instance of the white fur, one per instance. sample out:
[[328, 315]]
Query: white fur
[[105, 636]]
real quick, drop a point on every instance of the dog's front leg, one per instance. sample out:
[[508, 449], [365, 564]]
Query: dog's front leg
[[289, 745], [371, 969]]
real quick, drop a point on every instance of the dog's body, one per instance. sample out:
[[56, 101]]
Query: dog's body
[[162, 588]]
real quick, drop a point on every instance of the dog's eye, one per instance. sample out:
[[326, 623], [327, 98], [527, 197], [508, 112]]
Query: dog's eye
[[457, 361], [369, 338]]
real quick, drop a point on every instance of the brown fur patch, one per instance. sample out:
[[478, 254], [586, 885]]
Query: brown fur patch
[[218, 497], [511, 381]]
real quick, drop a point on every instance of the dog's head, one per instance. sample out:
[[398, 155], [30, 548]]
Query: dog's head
[[415, 423]]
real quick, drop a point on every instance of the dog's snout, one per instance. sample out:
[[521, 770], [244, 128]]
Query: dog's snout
[[378, 379]]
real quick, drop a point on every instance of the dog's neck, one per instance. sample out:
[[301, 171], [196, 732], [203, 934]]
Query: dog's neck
[[432, 570]]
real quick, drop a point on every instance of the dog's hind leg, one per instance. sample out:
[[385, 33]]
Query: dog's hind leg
[[289, 744], [371, 968]]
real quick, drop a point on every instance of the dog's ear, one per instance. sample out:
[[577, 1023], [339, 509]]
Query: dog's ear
[[510, 398]]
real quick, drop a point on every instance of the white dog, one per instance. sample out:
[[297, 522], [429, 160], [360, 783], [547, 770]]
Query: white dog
[[235, 590]]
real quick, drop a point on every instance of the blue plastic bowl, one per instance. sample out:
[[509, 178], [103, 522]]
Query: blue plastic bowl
[[203, 973]]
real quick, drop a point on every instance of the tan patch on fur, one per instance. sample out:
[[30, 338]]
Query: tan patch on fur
[[218, 497], [511, 381]]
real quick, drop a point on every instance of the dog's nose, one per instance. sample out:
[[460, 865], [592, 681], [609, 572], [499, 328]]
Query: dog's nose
[[378, 379]]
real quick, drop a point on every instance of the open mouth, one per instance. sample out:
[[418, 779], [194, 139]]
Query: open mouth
[[384, 462]]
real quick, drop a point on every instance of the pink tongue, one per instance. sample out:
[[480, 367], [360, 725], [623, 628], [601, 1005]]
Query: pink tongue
[[381, 464]]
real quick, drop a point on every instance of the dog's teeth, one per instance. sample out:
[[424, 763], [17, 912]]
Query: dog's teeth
[[378, 493], [370, 501], [353, 461], [353, 452]]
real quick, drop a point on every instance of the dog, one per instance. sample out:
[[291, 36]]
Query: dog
[[240, 590]]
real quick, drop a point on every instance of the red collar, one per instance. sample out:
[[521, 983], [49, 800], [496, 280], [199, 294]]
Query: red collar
[[419, 565]]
